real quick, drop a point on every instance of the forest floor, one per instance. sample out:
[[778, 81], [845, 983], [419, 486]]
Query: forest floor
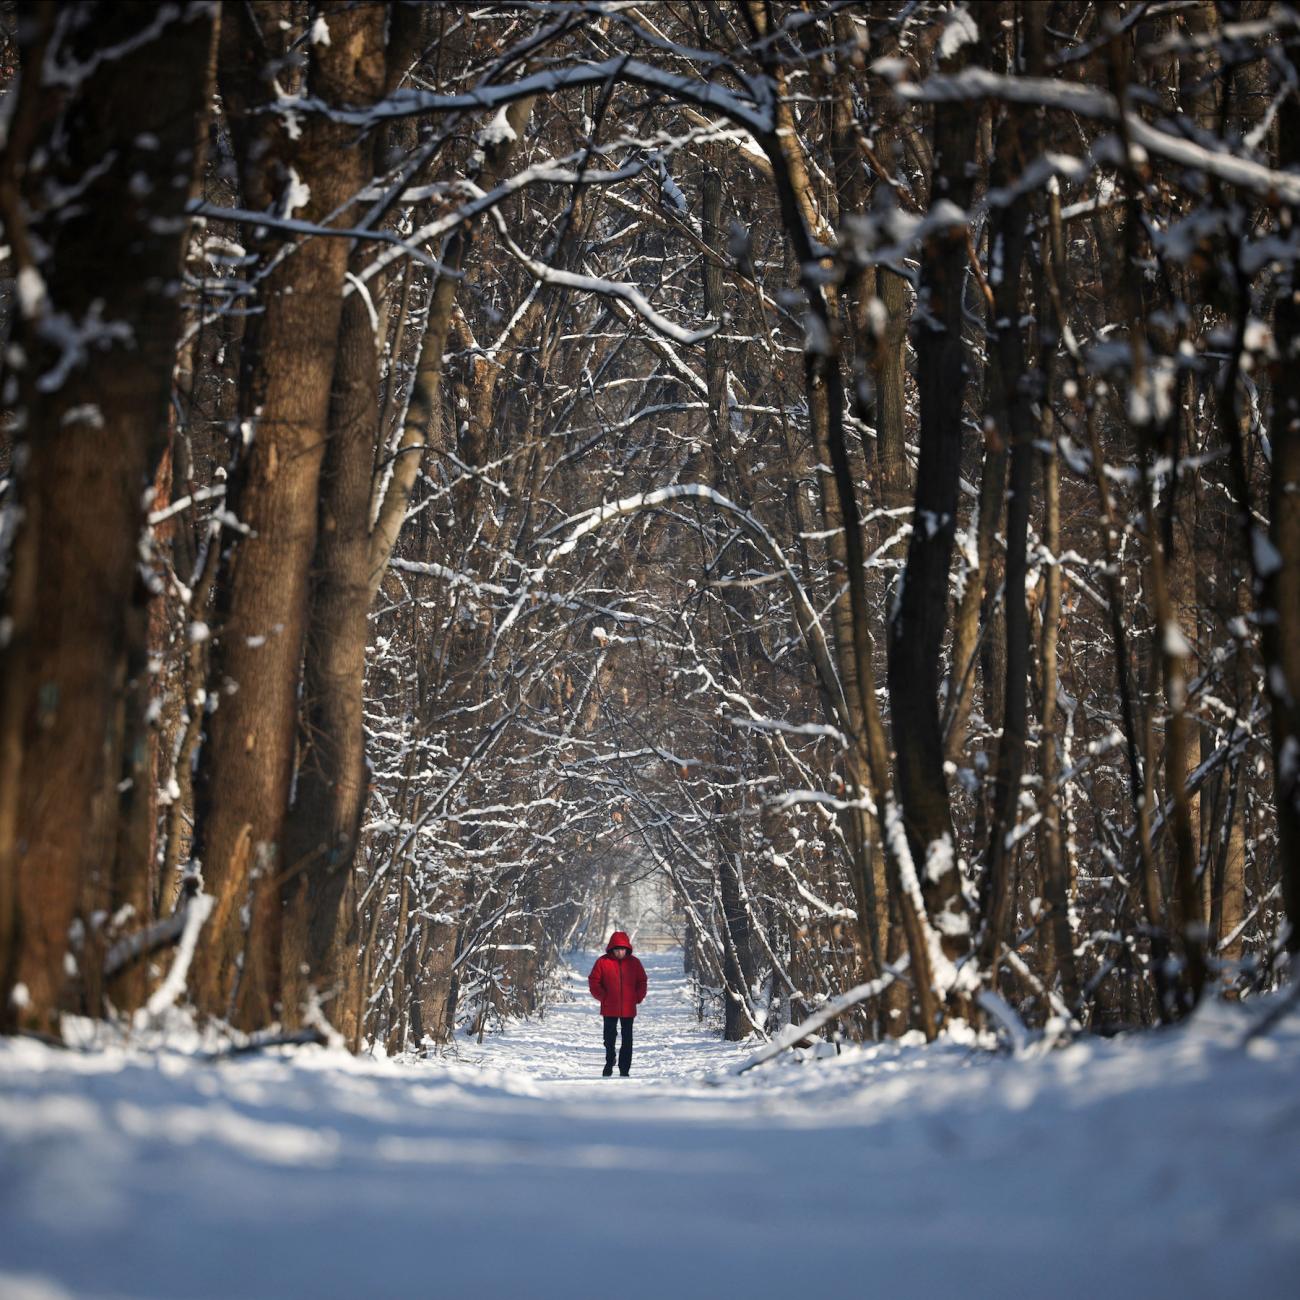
[[1160, 1164]]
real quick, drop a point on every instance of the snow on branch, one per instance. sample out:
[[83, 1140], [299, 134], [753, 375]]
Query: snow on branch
[[196, 913], [788, 799], [629, 293], [806, 615], [818, 729], [792, 1035], [589, 521], [1087, 101], [485, 200], [402, 245], [414, 103]]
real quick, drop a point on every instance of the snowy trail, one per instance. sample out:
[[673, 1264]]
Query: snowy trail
[[1163, 1165]]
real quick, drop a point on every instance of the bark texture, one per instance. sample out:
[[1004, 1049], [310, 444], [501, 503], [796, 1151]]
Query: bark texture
[[100, 309], [289, 356]]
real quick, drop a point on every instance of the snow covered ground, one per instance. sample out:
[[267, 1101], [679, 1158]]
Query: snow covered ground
[[1166, 1164]]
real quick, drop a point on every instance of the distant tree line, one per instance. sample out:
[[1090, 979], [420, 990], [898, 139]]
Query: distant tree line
[[843, 458]]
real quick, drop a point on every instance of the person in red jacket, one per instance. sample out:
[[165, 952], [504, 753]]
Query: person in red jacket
[[617, 982]]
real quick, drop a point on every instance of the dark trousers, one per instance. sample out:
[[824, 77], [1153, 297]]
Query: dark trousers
[[625, 1047]]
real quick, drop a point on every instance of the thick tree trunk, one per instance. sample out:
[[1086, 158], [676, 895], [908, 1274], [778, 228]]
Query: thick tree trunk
[[94, 424], [350, 564], [330, 781], [330, 786], [247, 762]]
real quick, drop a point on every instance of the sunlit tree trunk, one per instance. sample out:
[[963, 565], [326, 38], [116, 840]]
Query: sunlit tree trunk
[[289, 357]]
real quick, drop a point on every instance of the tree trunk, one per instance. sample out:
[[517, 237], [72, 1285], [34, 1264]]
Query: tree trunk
[[94, 423], [1017, 142], [289, 356], [921, 616], [1278, 572], [330, 788], [731, 618], [822, 386], [1056, 867]]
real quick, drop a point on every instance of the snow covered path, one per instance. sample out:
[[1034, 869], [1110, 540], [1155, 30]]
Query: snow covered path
[[1167, 1164]]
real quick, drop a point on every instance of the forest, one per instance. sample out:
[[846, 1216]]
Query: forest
[[814, 482]]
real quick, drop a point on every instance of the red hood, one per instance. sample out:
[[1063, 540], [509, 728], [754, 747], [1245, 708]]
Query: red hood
[[619, 940]]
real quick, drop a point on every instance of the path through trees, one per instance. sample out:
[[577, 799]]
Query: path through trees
[[836, 458]]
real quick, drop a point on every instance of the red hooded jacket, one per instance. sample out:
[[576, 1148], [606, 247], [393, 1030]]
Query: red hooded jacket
[[617, 985]]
